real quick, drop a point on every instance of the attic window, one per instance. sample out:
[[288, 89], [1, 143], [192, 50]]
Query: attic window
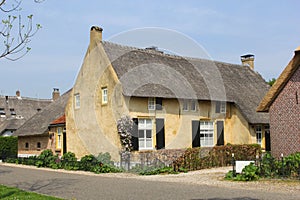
[[2, 112], [220, 107], [151, 103], [77, 101], [12, 111]]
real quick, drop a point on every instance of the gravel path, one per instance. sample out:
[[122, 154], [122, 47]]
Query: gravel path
[[209, 177]]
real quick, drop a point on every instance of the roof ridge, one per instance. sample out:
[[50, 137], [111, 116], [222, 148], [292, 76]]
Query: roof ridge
[[24, 98], [155, 52]]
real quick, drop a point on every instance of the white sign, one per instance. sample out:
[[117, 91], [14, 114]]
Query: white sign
[[240, 165]]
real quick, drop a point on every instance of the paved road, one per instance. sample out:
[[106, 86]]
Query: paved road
[[78, 186]]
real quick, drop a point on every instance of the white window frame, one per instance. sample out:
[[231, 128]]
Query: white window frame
[[77, 100], [144, 129], [258, 131], [185, 105], [206, 133], [59, 134], [223, 107], [193, 105], [151, 103], [104, 95]]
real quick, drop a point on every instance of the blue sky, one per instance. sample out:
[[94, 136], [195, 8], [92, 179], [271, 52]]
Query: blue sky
[[224, 29]]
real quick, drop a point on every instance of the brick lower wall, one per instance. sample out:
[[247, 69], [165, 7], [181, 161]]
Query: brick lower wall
[[32, 141], [163, 156], [285, 119]]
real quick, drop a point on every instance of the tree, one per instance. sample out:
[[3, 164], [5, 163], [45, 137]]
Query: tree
[[14, 34], [271, 81]]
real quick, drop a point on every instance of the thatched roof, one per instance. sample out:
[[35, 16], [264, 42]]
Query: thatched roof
[[150, 73], [39, 123], [19, 110], [280, 83]]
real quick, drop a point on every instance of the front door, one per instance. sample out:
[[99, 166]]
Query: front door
[[267, 138]]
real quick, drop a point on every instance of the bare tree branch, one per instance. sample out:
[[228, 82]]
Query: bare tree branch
[[14, 34]]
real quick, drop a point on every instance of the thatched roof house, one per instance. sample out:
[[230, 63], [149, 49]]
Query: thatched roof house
[[193, 78], [39, 123], [16, 110]]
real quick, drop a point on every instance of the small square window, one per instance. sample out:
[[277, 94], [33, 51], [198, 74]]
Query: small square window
[[77, 100], [104, 95]]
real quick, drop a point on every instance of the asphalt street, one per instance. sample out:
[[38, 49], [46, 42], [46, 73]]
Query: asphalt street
[[79, 186]]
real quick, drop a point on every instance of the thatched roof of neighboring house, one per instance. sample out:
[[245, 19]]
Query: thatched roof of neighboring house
[[18, 110], [39, 123], [151, 73], [280, 83]]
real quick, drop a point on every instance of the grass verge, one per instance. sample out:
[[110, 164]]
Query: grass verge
[[15, 193]]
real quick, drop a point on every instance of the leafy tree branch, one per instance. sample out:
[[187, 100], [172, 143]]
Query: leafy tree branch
[[15, 35]]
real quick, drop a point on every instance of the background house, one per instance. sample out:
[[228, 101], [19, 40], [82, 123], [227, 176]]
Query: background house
[[282, 102], [16, 110], [176, 102], [42, 130]]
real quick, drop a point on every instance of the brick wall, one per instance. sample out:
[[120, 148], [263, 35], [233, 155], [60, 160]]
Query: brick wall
[[32, 142], [285, 119]]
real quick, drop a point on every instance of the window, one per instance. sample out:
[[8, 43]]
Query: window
[[258, 134], [193, 105], [206, 133], [104, 95], [77, 100], [221, 107], [185, 106], [2, 112], [58, 143], [38, 145], [26, 145], [145, 133], [12, 112], [151, 103]]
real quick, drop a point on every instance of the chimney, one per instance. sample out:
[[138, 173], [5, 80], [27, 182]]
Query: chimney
[[95, 36], [55, 94], [18, 93], [297, 50], [248, 60]]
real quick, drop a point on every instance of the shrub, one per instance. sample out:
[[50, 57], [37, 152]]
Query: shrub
[[218, 156], [69, 161], [47, 159], [249, 173], [88, 163], [151, 170], [105, 158], [8, 147]]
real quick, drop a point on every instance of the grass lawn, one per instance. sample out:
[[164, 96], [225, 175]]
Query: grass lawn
[[15, 194]]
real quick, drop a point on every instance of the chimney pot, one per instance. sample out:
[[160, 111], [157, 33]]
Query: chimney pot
[[18, 93], [55, 94], [297, 50], [248, 60]]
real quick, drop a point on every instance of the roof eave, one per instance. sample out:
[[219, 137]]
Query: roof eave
[[280, 83]]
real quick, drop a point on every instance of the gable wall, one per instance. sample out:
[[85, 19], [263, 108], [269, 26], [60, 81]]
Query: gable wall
[[285, 118]]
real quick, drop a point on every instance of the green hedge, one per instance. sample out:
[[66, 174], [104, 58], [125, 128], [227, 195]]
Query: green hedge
[[218, 156], [8, 147]]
